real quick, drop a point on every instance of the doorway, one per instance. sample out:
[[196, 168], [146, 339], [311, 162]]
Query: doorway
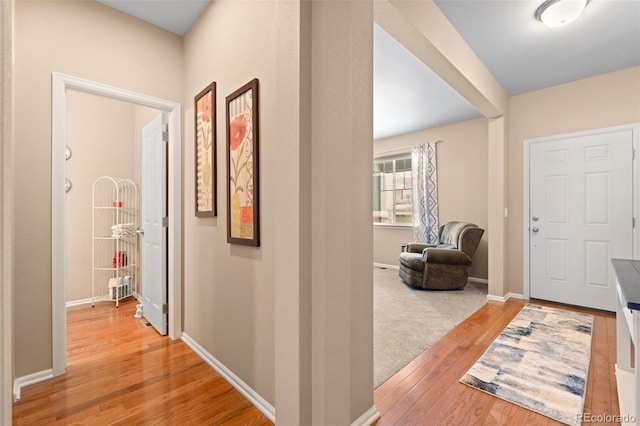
[[578, 214], [62, 84], [102, 155]]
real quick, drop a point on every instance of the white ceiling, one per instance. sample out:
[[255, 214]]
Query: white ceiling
[[521, 53], [176, 16], [524, 55], [407, 95]]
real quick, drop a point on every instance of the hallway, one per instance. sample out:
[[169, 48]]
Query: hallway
[[120, 371]]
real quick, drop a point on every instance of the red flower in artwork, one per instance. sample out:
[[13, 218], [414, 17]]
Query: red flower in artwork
[[237, 131], [246, 214], [205, 107]]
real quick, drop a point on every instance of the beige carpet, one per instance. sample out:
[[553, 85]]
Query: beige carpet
[[408, 321]]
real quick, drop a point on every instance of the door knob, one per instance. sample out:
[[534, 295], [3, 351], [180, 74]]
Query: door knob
[[535, 218], [535, 229]]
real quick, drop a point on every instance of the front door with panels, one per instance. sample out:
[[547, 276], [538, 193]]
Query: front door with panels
[[580, 216]]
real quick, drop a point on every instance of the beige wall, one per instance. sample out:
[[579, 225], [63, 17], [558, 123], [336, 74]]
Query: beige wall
[[7, 190], [386, 243], [462, 185], [87, 40], [229, 289], [341, 200], [100, 147], [602, 101]]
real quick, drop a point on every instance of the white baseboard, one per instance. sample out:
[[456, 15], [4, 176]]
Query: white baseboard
[[78, 302], [385, 266], [505, 297], [30, 379], [253, 397], [478, 280], [515, 296], [97, 299], [368, 418]]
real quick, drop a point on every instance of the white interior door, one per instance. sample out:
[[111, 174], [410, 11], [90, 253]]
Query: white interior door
[[580, 216], [154, 236]]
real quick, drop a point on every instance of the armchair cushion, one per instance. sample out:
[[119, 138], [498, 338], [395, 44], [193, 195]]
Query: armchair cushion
[[446, 256], [450, 233], [412, 261], [418, 247]]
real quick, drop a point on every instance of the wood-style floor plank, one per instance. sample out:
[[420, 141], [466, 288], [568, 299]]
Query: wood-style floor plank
[[122, 372], [413, 397], [428, 392]]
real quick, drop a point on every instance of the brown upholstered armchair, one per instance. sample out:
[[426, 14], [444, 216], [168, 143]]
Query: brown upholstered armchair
[[442, 266]]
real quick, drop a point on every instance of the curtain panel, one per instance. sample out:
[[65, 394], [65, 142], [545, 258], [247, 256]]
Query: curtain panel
[[425, 193]]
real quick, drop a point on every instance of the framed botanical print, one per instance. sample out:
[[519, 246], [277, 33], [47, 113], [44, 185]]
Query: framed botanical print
[[205, 152], [243, 178]]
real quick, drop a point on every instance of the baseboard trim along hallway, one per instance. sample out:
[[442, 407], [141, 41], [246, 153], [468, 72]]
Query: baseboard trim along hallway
[[505, 297], [30, 379], [368, 418], [260, 403]]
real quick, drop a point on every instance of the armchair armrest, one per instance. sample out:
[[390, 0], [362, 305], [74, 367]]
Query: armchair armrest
[[445, 256], [418, 247]]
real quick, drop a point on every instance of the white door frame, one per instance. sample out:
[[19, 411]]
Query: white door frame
[[60, 84], [635, 128]]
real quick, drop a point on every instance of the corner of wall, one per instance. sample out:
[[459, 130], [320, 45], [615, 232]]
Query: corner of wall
[[7, 210]]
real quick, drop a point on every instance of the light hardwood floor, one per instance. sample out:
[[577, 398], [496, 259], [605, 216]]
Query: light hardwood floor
[[122, 372], [119, 371], [427, 391]]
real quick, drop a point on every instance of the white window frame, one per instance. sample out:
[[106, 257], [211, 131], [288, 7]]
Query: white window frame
[[400, 156]]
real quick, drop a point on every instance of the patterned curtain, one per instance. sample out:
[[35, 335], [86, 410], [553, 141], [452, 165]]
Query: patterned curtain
[[425, 193]]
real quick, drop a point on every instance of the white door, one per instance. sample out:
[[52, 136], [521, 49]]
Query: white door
[[580, 216], [154, 235]]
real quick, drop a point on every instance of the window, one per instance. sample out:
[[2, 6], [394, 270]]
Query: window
[[392, 190]]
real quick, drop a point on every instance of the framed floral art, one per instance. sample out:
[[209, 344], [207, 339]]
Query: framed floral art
[[205, 152], [243, 180]]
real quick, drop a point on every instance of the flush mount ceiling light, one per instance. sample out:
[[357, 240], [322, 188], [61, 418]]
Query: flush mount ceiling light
[[555, 13]]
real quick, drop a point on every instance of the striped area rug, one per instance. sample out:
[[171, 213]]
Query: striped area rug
[[540, 362]]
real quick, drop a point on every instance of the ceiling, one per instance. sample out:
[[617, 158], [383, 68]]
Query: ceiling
[[176, 16], [521, 53], [407, 95], [524, 55]]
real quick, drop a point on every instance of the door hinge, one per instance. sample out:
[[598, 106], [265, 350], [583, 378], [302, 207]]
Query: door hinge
[[165, 308], [165, 136], [165, 222]]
